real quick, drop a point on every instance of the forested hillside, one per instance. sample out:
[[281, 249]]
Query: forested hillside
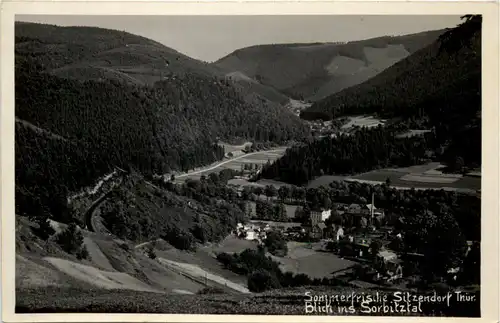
[[64, 49], [439, 86], [314, 71], [172, 124], [346, 154]]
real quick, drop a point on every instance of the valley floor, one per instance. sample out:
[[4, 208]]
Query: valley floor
[[425, 176], [236, 162]]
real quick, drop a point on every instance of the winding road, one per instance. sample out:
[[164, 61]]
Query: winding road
[[89, 219], [228, 161], [94, 225]]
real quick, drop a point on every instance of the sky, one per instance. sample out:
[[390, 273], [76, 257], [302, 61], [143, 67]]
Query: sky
[[209, 38]]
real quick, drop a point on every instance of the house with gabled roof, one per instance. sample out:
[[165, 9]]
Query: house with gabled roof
[[318, 230]]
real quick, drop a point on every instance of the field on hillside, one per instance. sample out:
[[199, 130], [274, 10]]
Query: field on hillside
[[231, 244], [346, 71], [198, 273], [235, 163], [204, 258], [362, 121], [426, 176], [411, 133], [111, 265]]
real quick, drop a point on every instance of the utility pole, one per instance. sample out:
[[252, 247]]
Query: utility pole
[[372, 206]]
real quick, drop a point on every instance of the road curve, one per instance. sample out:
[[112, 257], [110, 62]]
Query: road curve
[[228, 161], [146, 243], [90, 211]]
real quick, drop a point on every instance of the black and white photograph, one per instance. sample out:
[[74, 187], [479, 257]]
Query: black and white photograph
[[312, 165]]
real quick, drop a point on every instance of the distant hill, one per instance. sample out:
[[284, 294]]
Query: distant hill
[[438, 87], [67, 51], [314, 71], [89, 53], [172, 124], [405, 84], [441, 82]]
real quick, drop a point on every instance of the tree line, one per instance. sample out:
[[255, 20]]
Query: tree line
[[364, 150]]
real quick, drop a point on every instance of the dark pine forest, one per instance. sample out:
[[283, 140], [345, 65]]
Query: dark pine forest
[[89, 127]]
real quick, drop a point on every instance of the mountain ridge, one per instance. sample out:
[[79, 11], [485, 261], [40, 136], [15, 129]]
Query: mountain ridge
[[91, 53], [269, 64]]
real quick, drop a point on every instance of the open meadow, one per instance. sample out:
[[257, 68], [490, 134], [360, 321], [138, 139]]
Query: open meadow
[[235, 163], [302, 258], [310, 259], [427, 176], [362, 121]]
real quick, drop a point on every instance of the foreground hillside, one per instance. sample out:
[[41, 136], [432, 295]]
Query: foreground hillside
[[129, 234], [120, 276], [279, 302], [314, 71]]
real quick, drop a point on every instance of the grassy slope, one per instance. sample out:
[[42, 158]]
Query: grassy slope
[[306, 69], [42, 264]]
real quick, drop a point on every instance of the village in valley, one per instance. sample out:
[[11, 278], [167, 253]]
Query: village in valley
[[364, 240], [324, 230]]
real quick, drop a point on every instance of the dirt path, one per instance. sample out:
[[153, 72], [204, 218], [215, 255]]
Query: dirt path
[[198, 273], [97, 256], [146, 243]]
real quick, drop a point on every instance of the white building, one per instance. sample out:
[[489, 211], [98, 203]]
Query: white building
[[371, 209], [339, 234], [319, 216], [251, 235]]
